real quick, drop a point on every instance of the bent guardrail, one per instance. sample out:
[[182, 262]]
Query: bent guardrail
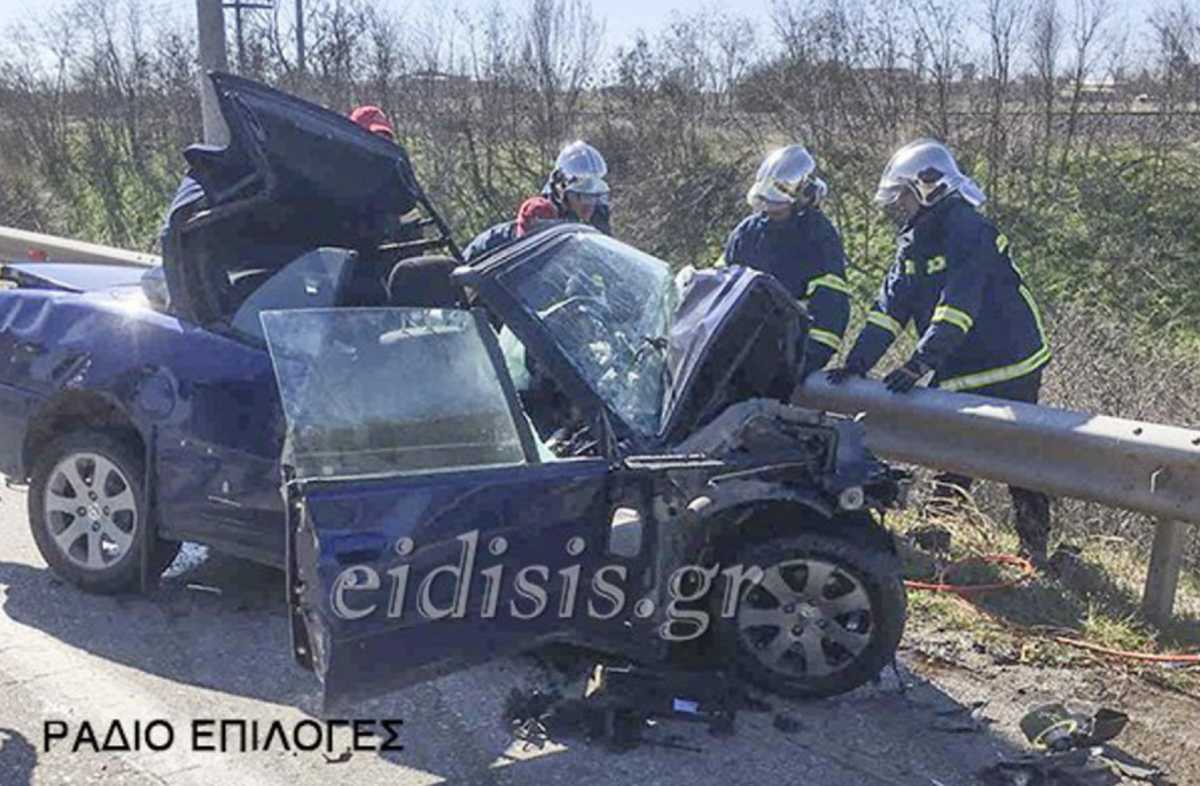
[[19, 245], [1144, 467]]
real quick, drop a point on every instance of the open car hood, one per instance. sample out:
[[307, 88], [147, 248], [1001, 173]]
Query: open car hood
[[285, 149], [737, 334]]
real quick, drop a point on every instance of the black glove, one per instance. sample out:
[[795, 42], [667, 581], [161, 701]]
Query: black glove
[[837, 376], [905, 378]]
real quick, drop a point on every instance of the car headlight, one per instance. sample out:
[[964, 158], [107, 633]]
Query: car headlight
[[851, 498]]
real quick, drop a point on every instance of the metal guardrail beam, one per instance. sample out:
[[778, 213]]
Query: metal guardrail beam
[[1143, 467], [18, 245]]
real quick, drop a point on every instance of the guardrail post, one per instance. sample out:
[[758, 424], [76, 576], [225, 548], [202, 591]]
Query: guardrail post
[[1166, 560]]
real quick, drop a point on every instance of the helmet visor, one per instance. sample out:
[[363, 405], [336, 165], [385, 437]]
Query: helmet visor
[[888, 192], [587, 186], [764, 194]]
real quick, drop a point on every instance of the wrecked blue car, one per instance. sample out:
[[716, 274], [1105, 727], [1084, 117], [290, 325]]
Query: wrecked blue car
[[562, 442]]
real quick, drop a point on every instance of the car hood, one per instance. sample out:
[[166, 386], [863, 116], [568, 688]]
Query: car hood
[[737, 335], [283, 149]]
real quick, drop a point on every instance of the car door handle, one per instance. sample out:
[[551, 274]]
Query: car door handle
[[359, 547]]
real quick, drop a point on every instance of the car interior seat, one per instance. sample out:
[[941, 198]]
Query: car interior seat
[[424, 282]]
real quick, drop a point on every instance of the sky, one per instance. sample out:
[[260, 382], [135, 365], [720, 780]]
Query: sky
[[623, 18]]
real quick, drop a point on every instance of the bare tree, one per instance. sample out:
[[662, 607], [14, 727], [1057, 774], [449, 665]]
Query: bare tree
[[1045, 46], [1087, 46], [1005, 22], [938, 44]]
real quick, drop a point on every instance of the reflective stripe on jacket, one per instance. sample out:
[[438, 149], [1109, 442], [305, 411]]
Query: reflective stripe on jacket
[[955, 280], [804, 252]]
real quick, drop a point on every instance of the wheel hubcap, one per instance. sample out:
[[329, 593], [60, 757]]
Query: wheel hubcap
[[91, 511], [806, 618]]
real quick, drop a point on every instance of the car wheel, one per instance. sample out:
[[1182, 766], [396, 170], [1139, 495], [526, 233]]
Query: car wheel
[[86, 512], [826, 617]]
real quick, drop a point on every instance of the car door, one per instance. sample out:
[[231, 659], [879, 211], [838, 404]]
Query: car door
[[427, 531], [219, 459]]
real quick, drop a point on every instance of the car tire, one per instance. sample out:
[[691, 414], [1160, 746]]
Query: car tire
[[839, 604], [86, 512]]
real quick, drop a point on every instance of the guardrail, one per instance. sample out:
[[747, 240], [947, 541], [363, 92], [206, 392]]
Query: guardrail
[[18, 245], [1143, 467]]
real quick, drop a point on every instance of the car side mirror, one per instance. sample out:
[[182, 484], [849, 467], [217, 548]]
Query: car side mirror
[[154, 287]]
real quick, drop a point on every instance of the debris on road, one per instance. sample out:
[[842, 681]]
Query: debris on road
[[619, 704], [1097, 766], [341, 758], [1055, 727], [786, 723]]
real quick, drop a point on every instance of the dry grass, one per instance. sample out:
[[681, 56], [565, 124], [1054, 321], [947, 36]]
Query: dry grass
[[1091, 594], [1102, 365]]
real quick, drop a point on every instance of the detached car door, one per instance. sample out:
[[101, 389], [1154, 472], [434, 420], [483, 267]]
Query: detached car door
[[426, 529]]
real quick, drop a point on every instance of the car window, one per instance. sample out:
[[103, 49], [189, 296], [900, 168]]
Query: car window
[[312, 280], [385, 391], [608, 307]]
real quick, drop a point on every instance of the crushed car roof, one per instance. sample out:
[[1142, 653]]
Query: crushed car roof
[[285, 149]]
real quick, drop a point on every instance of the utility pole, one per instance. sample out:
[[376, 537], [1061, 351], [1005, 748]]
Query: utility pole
[[210, 44], [241, 41], [300, 36], [238, 6]]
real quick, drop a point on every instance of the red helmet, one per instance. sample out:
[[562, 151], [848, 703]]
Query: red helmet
[[532, 210], [374, 120]]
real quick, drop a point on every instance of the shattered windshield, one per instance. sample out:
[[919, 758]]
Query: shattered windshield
[[609, 307], [388, 391]]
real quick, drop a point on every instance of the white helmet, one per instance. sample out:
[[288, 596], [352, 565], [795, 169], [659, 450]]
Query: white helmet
[[785, 177], [927, 168], [581, 169]]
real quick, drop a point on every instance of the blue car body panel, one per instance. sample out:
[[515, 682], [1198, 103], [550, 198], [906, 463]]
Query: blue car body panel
[[210, 399], [458, 518], [71, 277]]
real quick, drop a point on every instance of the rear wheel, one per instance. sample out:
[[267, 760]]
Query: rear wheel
[[826, 617], [86, 512]]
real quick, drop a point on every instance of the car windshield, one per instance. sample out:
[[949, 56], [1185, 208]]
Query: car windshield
[[609, 308], [346, 381]]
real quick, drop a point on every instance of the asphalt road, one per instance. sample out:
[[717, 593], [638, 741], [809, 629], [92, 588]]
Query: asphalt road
[[187, 653]]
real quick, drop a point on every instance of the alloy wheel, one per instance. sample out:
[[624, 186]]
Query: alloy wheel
[[806, 618], [91, 510]]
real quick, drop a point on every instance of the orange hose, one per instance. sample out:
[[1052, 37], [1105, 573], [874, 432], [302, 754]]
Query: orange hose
[[1027, 572], [1146, 656]]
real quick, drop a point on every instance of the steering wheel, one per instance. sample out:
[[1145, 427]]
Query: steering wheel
[[585, 310], [592, 307]]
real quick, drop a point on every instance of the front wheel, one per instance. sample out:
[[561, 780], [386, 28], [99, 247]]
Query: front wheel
[[826, 617], [86, 511]]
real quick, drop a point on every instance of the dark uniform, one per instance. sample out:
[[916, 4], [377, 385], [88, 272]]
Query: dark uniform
[[804, 252], [490, 239], [981, 331], [505, 232]]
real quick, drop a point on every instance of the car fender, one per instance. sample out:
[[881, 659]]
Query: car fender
[[101, 358], [737, 511]]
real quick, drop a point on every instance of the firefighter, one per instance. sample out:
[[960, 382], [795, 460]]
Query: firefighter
[[577, 185], [955, 279], [577, 190], [789, 237]]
